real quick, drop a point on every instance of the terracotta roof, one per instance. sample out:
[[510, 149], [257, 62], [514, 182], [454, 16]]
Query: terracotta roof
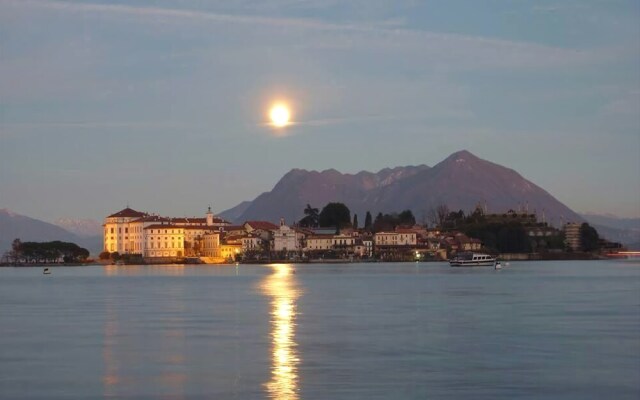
[[164, 226], [192, 220], [263, 225], [199, 227], [406, 230], [230, 228], [151, 218], [127, 213]]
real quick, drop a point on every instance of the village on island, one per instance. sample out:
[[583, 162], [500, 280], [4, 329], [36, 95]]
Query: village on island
[[132, 237]]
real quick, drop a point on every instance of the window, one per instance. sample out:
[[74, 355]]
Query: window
[[112, 231], [126, 230]]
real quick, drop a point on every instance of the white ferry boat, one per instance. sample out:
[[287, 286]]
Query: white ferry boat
[[472, 260]]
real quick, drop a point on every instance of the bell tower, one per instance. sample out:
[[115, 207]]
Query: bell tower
[[209, 217]]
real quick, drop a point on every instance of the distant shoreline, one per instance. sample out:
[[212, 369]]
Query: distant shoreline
[[505, 257]]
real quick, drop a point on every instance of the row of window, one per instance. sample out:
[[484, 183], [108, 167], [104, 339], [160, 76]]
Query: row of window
[[166, 246]]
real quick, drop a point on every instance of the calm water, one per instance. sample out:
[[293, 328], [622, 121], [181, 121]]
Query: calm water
[[548, 330]]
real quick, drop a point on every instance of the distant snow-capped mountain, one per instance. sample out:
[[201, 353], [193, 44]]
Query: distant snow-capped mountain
[[81, 227], [16, 226]]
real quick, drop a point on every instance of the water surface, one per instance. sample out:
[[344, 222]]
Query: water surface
[[553, 330]]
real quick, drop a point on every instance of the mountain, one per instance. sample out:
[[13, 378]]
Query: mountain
[[80, 227], [234, 213], [299, 187], [612, 221], [461, 181], [622, 230], [14, 226]]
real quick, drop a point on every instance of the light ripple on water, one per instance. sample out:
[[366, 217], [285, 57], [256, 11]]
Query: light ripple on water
[[377, 331]]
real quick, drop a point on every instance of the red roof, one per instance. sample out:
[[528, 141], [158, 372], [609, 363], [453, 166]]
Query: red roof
[[164, 226], [192, 220], [128, 213], [151, 218], [406, 230], [199, 227], [263, 225]]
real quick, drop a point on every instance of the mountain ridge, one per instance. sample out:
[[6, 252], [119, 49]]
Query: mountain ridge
[[460, 181], [14, 225]]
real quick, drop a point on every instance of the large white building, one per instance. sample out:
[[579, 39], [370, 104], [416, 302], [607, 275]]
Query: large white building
[[133, 232], [119, 233], [400, 237], [287, 239]]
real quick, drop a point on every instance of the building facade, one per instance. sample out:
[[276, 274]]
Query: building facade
[[572, 236], [134, 232], [119, 233]]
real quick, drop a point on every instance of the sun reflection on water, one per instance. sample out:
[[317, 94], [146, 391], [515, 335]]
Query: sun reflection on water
[[281, 288]]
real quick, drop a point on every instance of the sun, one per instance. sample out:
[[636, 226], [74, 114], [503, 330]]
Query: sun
[[279, 115]]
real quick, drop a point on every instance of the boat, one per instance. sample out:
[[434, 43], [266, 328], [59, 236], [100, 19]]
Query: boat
[[46, 271], [498, 265], [472, 260]]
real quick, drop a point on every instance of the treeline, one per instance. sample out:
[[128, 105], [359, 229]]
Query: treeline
[[45, 252], [338, 215], [508, 234]]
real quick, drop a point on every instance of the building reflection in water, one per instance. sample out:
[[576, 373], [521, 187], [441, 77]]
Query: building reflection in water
[[281, 287], [158, 269], [111, 378]]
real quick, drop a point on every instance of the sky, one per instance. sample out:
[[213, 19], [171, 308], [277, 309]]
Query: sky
[[163, 105]]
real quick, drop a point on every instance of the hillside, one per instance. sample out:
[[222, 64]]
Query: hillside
[[14, 226], [461, 181]]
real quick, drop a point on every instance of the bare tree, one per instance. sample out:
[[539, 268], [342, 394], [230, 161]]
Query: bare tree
[[441, 212]]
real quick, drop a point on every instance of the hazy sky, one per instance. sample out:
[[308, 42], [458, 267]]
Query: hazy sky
[[162, 103]]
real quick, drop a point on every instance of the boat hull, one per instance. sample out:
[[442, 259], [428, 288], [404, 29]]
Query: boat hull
[[483, 263], [473, 260]]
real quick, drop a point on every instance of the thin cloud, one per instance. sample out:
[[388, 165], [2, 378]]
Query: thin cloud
[[379, 34]]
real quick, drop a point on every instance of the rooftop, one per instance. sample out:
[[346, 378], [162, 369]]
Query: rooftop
[[128, 213]]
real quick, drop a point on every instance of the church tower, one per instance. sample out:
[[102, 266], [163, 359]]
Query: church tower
[[209, 217]]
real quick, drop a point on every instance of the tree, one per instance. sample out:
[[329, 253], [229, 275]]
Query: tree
[[335, 215], [367, 221], [310, 220], [589, 237], [355, 221], [16, 250], [385, 222], [454, 220], [406, 218], [54, 251], [441, 214]]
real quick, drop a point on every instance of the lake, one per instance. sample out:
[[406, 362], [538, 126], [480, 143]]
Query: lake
[[534, 330]]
